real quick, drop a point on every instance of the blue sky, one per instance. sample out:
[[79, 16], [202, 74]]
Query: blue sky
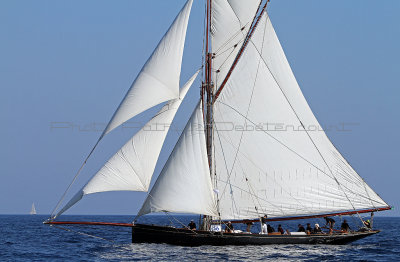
[[66, 65]]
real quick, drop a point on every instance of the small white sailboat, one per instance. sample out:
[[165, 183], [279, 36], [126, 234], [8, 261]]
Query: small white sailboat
[[229, 163], [33, 210]]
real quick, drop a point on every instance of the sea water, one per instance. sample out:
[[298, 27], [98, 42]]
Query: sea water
[[25, 238]]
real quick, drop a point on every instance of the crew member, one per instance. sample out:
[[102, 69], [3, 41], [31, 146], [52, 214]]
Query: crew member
[[301, 228], [309, 228], [331, 223], [317, 229], [345, 226], [280, 229], [192, 225], [264, 229], [229, 227], [367, 223], [270, 229], [248, 224]]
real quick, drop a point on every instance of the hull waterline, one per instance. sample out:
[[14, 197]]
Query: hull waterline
[[184, 237]]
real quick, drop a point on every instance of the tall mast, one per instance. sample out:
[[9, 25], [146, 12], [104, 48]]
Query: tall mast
[[208, 90], [208, 85]]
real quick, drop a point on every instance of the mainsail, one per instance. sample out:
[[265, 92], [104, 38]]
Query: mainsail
[[131, 168], [184, 185], [271, 155]]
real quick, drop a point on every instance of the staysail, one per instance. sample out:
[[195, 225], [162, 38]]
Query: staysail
[[158, 81], [271, 155], [131, 168], [184, 184]]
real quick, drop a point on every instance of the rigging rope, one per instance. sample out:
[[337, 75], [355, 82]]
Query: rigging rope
[[298, 118], [247, 112], [184, 226], [287, 147], [252, 28], [82, 233], [73, 180], [228, 181]]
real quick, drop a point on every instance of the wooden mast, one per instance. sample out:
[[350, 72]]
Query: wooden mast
[[208, 89]]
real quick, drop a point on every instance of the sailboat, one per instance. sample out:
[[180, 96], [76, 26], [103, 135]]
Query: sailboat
[[33, 210], [249, 148]]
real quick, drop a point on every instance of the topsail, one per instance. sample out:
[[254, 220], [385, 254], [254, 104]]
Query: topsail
[[158, 81]]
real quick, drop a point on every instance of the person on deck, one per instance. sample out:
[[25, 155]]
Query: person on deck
[[192, 225], [301, 228], [331, 223], [264, 225], [367, 223], [280, 229], [345, 226], [317, 229], [229, 227], [249, 224], [270, 229], [309, 228]]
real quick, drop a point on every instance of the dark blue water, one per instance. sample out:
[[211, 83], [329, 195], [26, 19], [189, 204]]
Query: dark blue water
[[25, 238]]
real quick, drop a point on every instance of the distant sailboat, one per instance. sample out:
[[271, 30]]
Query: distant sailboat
[[228, 164], [33, 210]]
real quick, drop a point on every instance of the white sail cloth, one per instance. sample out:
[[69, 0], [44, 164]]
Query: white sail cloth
[[158, 81], [131, 168], [230, 22], [265, 160], [184, 184]]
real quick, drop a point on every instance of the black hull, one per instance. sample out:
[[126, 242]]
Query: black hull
[[185, 237]]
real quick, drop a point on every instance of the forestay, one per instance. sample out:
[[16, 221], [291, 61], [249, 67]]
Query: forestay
[[158, 81], [131, 168], [184, 184], [271, 155]]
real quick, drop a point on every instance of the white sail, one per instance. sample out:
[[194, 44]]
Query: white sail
[[33, 210], [184, 185], [131, 168], [158, 81], [265, 161], [230, 23]]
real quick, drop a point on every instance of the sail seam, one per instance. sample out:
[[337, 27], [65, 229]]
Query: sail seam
[[275, 180], [297, 116], [250, 193], [248, 108], [293, 151]]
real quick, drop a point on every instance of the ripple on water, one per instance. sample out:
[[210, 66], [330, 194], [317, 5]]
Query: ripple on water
[[39, 242]]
